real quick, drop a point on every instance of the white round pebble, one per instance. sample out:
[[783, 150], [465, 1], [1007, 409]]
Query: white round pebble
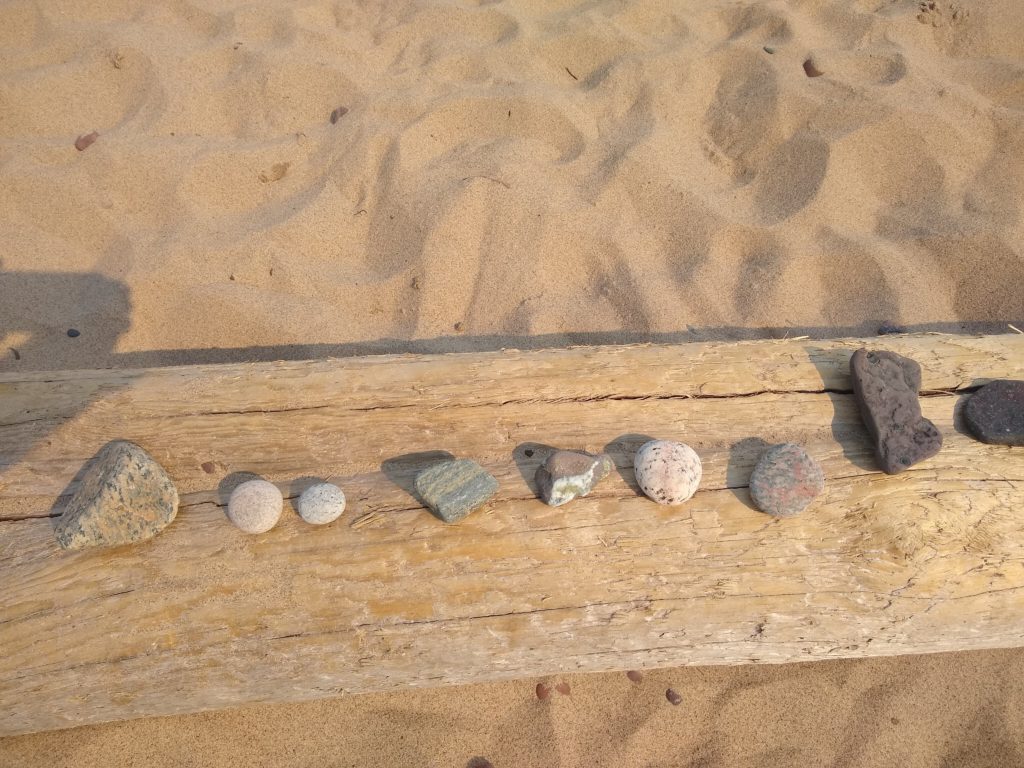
[[255, 506], [667, 472], [321, 503]]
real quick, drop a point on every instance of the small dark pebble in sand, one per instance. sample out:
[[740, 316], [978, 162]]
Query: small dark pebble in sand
[[543, 692], [458, 326], [74, 333], [811, 70], [337, 114], [887, 328], [415, 283], [562, 688], [635, 676], [479, 762], [208, 467], [673, 698], [82, 143], [769, 49]]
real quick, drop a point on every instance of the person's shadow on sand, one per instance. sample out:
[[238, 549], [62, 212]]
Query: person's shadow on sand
[[84, 313]]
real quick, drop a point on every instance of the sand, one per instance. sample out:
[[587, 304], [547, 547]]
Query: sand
[[942, 711], [297, 179]]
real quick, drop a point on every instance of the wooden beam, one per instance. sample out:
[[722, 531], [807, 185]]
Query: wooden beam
[[204, 616]]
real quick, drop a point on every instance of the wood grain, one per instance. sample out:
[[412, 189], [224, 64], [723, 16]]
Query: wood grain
[[205, 616]]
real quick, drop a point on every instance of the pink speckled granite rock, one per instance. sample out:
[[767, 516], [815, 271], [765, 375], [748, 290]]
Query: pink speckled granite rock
[[667, 472]]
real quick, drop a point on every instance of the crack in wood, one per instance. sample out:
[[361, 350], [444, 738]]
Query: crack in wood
[[540, 401]]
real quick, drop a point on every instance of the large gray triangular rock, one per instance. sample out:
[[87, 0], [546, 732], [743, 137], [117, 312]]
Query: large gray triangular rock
[[124, 497]]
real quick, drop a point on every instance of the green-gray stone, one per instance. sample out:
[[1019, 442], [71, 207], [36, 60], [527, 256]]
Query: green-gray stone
[[453, 489], [124, 497]]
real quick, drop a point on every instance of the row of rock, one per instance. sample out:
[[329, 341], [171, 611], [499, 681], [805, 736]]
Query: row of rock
[[887, 386], [783, 483], [255, 506], [125, 496]]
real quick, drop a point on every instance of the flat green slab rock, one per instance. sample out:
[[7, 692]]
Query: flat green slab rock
[[453, 489]]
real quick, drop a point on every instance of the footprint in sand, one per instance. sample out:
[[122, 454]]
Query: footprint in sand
[[464, 125], [742, 120], [871, 66]]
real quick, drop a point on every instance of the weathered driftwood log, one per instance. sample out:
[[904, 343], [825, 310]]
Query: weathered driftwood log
[[204, 616]]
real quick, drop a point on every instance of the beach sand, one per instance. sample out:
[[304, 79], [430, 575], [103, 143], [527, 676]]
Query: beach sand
[[292, 179]]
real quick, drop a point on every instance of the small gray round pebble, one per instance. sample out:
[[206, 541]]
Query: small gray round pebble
[[321, 503], [786, 480]]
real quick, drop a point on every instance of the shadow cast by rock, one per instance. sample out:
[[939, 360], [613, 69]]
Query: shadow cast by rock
[[622, 450], [298, 486], [230, 482], [61, 502], [402, 470], [848, 429], [528, 457], [743, 456]]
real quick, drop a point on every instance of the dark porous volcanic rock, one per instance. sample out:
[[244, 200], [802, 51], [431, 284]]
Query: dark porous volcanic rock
[[568, 474], [785, 480], [124, 497], [995, 413], [453, 489], [886, 386]]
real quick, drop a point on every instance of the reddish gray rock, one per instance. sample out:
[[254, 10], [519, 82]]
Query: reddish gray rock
[[124, 497], [785, 480], [886, 386], [995, 413], [568, 474]]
